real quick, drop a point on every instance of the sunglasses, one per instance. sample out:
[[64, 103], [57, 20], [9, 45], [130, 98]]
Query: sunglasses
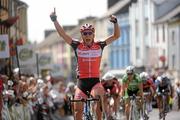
[[130, 74], [87, 33]]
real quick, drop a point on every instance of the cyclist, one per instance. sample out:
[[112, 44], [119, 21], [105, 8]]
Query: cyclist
[[70, 90], [112, 88], [88, 54], [163, 85], [131, 84], [177, 94], [148, 87]]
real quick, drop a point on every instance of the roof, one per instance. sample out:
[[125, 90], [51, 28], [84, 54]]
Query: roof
[[163, 8], [115, 8], [21, 3], [169, 15], [158, 2]]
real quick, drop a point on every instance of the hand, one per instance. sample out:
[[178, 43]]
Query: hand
[[113, 19], [53, 16]]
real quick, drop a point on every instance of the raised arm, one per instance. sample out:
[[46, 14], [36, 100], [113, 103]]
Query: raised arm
[[59, 28], [116, 33]]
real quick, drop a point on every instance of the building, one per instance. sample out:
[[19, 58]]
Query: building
[[59, 51], [119, 51], [149, 36], [164, 11], [141, 33], [13, 22], [168, 29]]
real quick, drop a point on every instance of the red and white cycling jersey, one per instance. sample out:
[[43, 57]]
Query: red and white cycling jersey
[[114, 88], [149, 83], [88, 58]]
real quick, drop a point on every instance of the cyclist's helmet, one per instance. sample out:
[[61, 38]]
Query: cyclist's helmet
[[108, 76], [87, 26], [159, 79], [165, 79], [70, 85], [144, 76], [130, 70]]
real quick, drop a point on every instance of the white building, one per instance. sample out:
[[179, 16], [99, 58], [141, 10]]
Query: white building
[[172, 23], [150, 32], [141, 32]]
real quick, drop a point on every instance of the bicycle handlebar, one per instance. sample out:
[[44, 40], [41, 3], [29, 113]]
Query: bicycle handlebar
[[132, 97], [135, 97], [146, 93]]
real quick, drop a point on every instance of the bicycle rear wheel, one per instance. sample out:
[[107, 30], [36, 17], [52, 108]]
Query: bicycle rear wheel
[[164, 108], [87, 117]]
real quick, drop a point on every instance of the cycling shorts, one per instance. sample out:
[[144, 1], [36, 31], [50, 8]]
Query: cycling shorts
[[87, 85], [131, 93]]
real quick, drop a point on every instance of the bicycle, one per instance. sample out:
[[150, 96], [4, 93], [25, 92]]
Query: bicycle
[[145, 106], [110, 113], [135, 112], [164, 104], [88, 111]]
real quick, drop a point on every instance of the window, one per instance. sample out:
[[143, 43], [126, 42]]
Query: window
[[164, 52], [163, 37], [117, 57], [173, 38], [145, 2], [157, 34], [173, 61], [123, 57], [137, 53], [136, 27], [146, 27]]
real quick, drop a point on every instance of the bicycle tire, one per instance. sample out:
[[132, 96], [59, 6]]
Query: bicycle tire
[[87, 117], [131, 115], [134, 114], [164, 107], [145, 111]]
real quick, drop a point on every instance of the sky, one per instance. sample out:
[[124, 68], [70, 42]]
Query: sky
[[68, 12]]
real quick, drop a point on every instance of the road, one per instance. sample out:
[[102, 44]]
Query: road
[[172, 115], [154, 115]]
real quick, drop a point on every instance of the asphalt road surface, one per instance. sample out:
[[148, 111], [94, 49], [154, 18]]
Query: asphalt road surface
[[172, 115], [154, 115]]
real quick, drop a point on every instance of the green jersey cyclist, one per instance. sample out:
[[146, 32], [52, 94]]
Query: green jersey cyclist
[[131, 85]]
